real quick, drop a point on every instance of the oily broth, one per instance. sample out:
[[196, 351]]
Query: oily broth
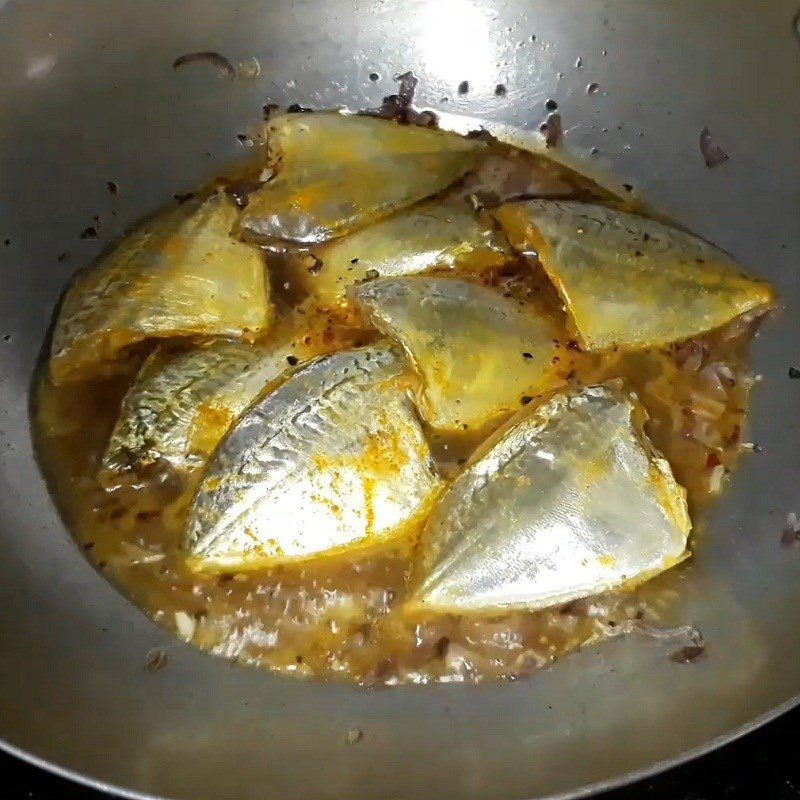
[[342, 618]]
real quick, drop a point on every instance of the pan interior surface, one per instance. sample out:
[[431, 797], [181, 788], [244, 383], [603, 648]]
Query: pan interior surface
[[91, 99]]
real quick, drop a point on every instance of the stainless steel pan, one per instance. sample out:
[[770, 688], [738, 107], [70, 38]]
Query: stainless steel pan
[[87, 95]]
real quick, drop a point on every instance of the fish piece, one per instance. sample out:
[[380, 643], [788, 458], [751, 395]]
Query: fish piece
[[570, 500], [628, 281], [178, 274], [477, 352], [334, 173], [435, 234], [332, 459], [182, 404]]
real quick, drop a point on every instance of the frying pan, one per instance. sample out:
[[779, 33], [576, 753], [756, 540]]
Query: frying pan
[[88, 95]]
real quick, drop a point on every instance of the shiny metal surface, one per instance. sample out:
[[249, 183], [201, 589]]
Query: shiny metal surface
[[629, 281], [438, 322], [568, 501], [89, 96], [333, 458]]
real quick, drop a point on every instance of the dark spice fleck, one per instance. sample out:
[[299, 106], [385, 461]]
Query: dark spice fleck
[[482, 135], [268, 109], [500, 90], [243, 137], [7, 337], [552, 130], [734, 436], [794, 373], [112, 187], [373, 76], [573, 345], [687, 654], [463, 87], [101, 564], [713, 154], [292, 360], [240, 191], [156, 659], [63, 257], [7, 242], [441, 647], [551, 105], [298, 659], [296, 108], [627, 187], [408, 86], [223, 66], [316, 265], [182, 198], [400, 106], [525, 399], [354, 261], [527, 355], [89, 232], [88, 546]]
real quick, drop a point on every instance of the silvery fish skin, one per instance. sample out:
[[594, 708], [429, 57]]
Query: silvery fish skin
[[629, 281], [478, 353], [332, 459], [435, 234], [182, 404], [334, 173], [178, 274], [566, 502]]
